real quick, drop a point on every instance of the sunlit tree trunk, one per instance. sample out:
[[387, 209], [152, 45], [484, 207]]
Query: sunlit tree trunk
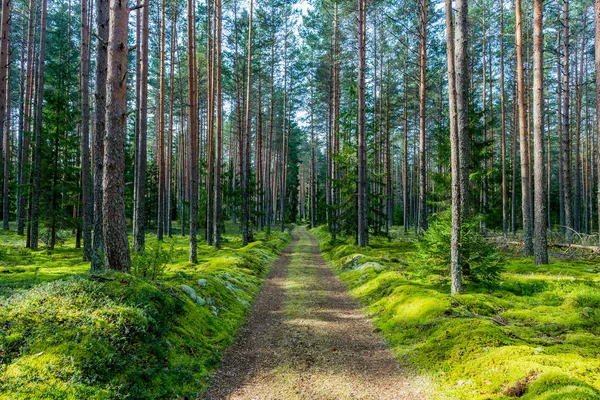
[[99, 130], [455, 261], [192, 137], [541, 211], [525, 180], [363, 208], [37, 162], [116, 245]]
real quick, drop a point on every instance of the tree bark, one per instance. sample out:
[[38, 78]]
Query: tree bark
[[139, 233], [363, 207], [116, 245], [540, 207], [462, 102], [566, 134], [37, 162], [192, 136], [422, 114], [597, 70], [84, 78], [219, 127], [455, 261], [99, 130], [525, 179]]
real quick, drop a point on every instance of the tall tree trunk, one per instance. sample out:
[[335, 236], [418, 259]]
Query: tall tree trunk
[[219, 128], [21, 211], [541, 211], [169, 159], [405, 198], [422, 110], [597, 70], [139, 232], [462, 102], [245, 148], [37, 162], [100, 130], [566, 134], [7, 154], [160, 120], [363, 208], [4, 75], [84, 79], [503, 127], [525, 180], [455, 262], [116, 245], [192, 136]]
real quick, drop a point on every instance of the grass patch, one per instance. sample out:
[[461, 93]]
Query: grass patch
[[65, 334], [535, 334]]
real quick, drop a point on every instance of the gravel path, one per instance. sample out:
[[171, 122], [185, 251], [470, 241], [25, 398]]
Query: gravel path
[[307, 339]]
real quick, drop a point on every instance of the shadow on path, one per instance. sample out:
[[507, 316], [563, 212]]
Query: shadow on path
[[307, 339]]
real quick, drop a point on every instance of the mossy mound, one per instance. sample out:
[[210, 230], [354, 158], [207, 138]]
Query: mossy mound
[[118, 336], [535, 334]]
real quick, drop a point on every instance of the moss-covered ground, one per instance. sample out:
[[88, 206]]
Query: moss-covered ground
[[66, 334], [535, 334]]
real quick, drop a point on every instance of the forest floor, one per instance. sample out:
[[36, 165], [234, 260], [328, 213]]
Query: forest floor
[[159, 332], [307, 339], [534, 334]]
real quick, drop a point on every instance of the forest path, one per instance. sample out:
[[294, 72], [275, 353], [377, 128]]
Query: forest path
[[307, 339]]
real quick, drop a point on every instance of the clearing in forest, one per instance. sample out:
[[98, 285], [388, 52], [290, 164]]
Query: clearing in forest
[[307, 339]]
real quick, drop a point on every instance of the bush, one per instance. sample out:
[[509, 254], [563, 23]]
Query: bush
[[151, 264], [481, 262]]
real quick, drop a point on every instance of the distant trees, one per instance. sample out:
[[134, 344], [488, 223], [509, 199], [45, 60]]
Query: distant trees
[[356, 125]]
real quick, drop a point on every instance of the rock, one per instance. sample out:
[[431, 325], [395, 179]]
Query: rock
[[353, 261], [370, 264], [202, 282], [200, 301], [190, 292]]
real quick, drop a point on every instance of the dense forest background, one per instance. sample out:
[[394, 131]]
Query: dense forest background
[[267, 109]]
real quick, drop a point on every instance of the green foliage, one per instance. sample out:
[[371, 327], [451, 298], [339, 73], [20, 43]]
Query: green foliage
[[477, 256], [152, 263], [537, 331]]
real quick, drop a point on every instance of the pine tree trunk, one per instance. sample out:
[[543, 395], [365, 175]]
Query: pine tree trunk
[[37, 162], [524, 139], [540, 207], [597, 71], [21, 211], [160, 120], [84, 78], [422, 111], [7, 155], [99, 130], [566, 134], [455, 262], [503, 127], [462, 104], [363, 208], [218, 201], [192, 137], [139, 232], [116, 245]]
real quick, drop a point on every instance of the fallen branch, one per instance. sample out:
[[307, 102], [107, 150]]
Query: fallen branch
[[593, 249]]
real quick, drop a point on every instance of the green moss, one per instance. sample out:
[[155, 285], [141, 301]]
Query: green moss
[[538, 327], [78, 336]]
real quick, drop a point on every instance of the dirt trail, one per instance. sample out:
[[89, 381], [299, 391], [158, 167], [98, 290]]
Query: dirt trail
[[307, 339]]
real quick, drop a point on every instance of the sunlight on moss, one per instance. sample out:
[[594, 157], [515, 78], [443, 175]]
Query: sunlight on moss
[[538, 328], [66, 334]]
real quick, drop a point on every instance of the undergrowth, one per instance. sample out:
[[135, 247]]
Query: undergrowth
[[534, 334], [65, 334]]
